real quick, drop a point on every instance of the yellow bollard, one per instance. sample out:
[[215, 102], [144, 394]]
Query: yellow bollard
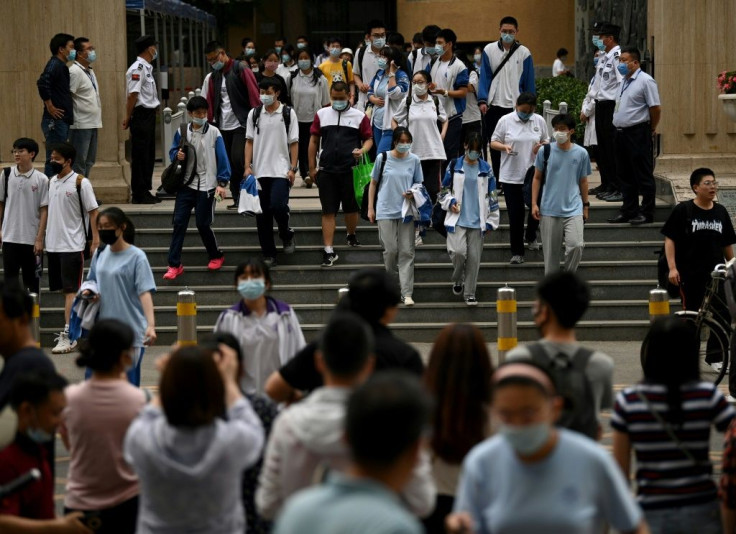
[[659, 303], [36, 319], [506, 310], [186, 317]]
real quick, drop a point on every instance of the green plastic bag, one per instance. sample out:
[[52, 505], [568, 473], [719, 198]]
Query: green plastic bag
[[362, 177]]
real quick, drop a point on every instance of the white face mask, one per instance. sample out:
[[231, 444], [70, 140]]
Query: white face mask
[[420, 89], [561, 137]]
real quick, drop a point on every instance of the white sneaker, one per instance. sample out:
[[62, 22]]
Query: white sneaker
[[63, 345], [717, 366], [408, 301], [534, 245], [418, 241], [730, 399]]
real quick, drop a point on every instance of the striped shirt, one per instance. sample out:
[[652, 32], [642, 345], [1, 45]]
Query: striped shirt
[[665, 476]]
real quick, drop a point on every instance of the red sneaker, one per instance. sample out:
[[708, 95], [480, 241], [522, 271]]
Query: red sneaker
[[173, 272], [216, 264]]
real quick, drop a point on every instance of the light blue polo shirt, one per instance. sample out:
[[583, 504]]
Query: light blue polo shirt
[[636, 95], [399, 175], [561, 195]]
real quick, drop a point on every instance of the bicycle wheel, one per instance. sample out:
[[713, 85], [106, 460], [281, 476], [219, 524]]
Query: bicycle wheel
[[714, 343]]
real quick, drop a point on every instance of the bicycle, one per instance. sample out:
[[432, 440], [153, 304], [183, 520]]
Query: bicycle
[[714, 336]]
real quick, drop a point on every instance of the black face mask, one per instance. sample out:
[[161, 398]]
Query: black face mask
[[108, 236], [56, 167]]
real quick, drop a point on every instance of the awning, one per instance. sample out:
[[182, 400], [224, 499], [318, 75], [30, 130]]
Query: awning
[[175, 8]]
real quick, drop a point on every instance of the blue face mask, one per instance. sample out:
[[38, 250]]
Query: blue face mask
[[524, 116], [439, 49], [72, 55], [285, 58], [335, 52], [339, 105], [301, 46], [267, 100], [473, 155], [508, 38], [623, 68], [252, 289], [278, 49], [598, 42], [250, 52], [218, 65], [39, 436], [92, 56], [380, 42], [199, 121], [403, 148], [526, 439], [382, 62], [429, 50], [304, 64]]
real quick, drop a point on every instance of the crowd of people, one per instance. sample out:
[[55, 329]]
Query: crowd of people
[[256, 430]]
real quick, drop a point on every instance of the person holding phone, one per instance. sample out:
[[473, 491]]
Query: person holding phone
[[387, 90], [125, 284]]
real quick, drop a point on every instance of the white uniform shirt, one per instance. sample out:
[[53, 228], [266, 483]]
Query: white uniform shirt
[[139, 79], [422, 123], [65, 231], [271, 154], [85, 97], [558, 67], [608, 78], [472, 112], [637, 95], [504, 89], [522, 136], [27, 194], [227, 120], [370, 68], [423, 61]]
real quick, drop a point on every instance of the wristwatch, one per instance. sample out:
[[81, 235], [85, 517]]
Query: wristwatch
[[446, 92], [293, 169], [222, 183], [586, 204]]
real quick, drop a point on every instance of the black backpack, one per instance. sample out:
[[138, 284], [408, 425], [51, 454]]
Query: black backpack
[[526, 189], [180, 174], [436, 101], [366, 189], [285, 113], [578, 410]]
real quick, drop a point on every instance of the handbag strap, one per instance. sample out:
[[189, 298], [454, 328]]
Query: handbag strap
[[668, 429], [514, 48], [81, 204]]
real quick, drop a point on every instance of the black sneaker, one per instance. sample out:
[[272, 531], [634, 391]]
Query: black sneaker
[[457, 290], [329, 259], [289, 245], [233, 206], [352, 240], [270, 261]]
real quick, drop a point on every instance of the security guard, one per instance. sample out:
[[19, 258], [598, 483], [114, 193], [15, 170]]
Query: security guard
[[140, 116], [606, 85], [636, 118]]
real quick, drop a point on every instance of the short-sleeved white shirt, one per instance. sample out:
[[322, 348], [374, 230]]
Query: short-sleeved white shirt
[[85, 97], [422, 123], [271, 155], [65, 231], [522, 136], [370, 68], [472, 112], [139, 79], [27, 194]]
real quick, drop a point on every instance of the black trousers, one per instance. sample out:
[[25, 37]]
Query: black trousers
[[636, 166], [516, 209], [143, 155], [606, 133], [17, 257], [492, 117], [432, 178], [274, 197], [453, 141], [304, 137], [120, 519], [235, 147]]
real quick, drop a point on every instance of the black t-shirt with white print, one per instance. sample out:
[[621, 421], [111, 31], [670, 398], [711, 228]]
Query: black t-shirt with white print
[[699, 240]]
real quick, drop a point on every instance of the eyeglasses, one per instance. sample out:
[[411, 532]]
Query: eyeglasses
[[15, 152], [709, 183]]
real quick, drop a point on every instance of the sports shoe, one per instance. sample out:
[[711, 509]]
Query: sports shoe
[[329, 259], [63, 345], [418, 241], [308, 182], [407, 301], [730, 399], [173, 272], [717, 366], [233, 206], [352, 240], [595, 190], [517, 260], [471, 301], [289, 245], [216, 264], [270, 261], [534, 245], [457, 289]]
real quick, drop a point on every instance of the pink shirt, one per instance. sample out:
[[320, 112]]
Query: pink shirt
[[96, 419]]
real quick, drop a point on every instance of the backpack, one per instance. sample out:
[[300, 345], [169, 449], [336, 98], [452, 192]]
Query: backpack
[[366, 189], [180, 174], [361, 55], [663, 268], [578, 410], [526, 189], [87, 252], [285, 113]]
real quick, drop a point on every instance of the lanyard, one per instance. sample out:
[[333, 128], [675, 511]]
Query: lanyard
[[91, 79], [626, 84]]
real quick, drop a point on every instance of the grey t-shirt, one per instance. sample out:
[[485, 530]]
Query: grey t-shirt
[[599, 370]]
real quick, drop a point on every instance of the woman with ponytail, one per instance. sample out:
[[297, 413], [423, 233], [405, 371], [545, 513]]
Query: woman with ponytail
[[98, 412], [124, 282]]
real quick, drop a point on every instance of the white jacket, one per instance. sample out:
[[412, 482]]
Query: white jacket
[[452, 193], [307, 439]]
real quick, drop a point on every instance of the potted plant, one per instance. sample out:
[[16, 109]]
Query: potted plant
[[727, 87]]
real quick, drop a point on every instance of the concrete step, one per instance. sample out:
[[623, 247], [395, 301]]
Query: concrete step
[[368, 235]]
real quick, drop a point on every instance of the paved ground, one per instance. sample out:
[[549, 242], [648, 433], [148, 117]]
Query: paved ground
[[627, 371]]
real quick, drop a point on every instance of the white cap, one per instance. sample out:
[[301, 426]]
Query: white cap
[[346, 51]]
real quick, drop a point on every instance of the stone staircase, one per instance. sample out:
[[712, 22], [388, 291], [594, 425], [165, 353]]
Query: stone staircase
[[618, 262]]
